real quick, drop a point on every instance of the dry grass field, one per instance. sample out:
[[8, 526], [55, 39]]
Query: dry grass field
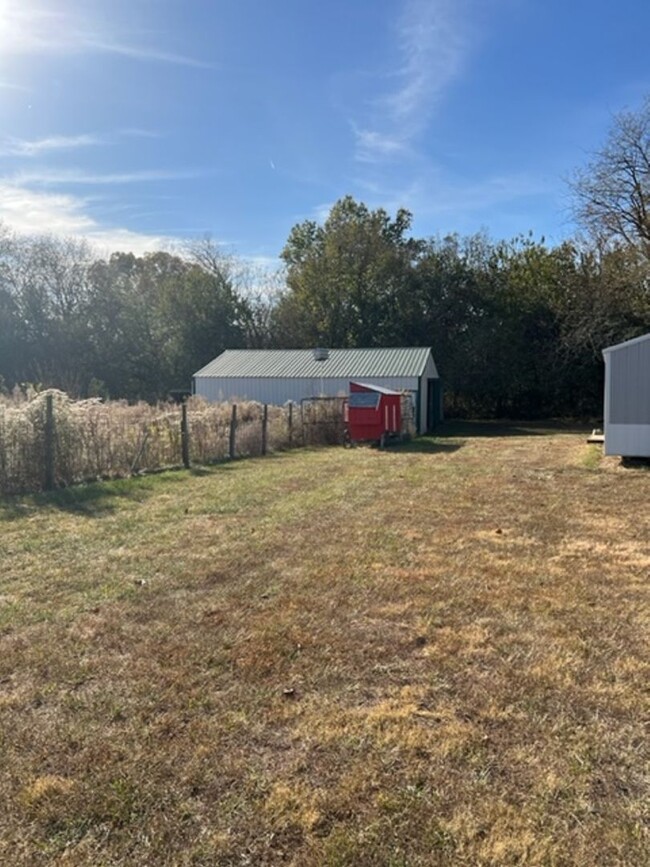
[[431, 655]]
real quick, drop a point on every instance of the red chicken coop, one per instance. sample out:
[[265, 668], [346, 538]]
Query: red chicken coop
[[373, 413]]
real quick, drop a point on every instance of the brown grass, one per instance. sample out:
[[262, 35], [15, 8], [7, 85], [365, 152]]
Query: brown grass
[[433, 655]]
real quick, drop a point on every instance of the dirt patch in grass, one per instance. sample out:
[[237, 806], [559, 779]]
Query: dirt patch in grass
[[435, 655]]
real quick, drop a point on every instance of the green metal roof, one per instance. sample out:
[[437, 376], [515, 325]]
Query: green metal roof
[[295, 363]]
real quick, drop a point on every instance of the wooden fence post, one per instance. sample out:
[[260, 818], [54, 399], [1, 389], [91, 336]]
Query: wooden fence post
[[265, 425], [49, 443], [232, 443], [290, 424], [185, 437]]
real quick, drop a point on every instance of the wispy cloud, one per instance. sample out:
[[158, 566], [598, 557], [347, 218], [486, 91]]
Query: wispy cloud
[[136, 132], [9, 85], [18, 147], [25, 148], [456, 200], [432, 40], [142, 52], [374, 146], [460, 197], [74, 177], [42, 28]]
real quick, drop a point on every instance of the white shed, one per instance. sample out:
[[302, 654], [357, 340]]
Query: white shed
[[627, 398], [276, 376]]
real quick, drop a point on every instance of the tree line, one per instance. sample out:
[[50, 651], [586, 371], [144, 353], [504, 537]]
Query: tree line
[[517, 326], [126, 326]]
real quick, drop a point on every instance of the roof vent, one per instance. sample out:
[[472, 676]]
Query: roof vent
[[321, 354]]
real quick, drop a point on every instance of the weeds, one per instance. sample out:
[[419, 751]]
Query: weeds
[[94, 439]]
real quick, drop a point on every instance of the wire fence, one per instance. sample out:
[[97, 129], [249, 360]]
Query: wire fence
[[48, 440]]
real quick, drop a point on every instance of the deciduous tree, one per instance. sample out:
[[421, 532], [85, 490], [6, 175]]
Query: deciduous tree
[[346, 278], [612, 193]]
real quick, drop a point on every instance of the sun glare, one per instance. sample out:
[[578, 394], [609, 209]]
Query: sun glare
[[14, 17], [25, 27]]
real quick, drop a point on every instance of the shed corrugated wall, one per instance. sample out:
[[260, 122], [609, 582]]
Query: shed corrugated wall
[[627, 399]]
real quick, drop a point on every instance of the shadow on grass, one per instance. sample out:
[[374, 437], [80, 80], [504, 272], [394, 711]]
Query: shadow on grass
[[94, 499], [453, 435], [470, 429], [642, 464], [428, 445]]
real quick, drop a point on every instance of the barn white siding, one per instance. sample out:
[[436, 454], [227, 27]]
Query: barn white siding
[[280, 391], [627, 398]]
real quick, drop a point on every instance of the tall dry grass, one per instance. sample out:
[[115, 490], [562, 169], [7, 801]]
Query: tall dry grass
[[95, 439]]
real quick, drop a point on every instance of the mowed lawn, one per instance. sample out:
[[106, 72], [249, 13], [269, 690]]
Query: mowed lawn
[[433, 655]]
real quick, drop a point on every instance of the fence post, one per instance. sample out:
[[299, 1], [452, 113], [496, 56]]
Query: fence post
[[265, 424], [185, 437], [290, 424], [49, 443], [233, 429]]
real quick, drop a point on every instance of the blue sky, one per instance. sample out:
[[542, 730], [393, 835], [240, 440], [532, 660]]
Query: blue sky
[[142, 122]]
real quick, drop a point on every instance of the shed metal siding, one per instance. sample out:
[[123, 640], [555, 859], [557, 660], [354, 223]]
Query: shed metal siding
[[630, 384], [627, 398], [627, 440]]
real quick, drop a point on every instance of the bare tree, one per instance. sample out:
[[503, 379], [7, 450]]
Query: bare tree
[[255, 286], [211, 256], [612, 194]]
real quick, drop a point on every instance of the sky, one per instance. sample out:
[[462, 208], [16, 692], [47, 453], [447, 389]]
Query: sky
[[140, 124]]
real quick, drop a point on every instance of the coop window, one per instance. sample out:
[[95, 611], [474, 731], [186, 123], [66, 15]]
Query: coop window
[[365, 399]]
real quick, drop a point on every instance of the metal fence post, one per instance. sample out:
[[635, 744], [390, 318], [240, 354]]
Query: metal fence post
[[290, 424]]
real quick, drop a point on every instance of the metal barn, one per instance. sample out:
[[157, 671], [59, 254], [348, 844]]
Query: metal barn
[[277, 376], [627, 398]]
